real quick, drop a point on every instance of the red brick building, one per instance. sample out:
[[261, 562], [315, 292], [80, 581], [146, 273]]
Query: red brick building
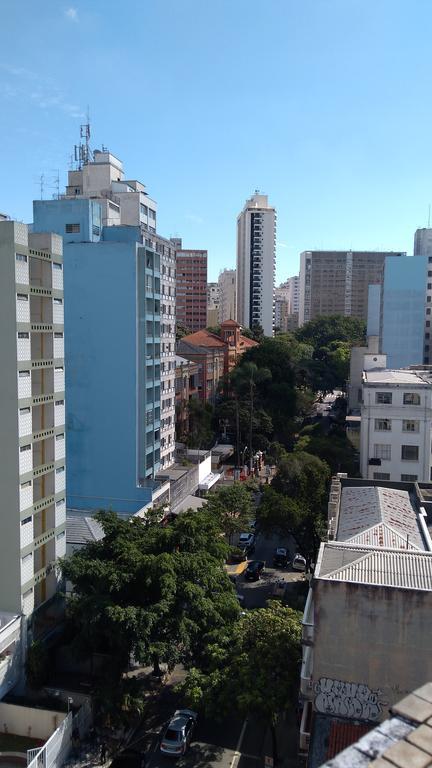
[[217, 355], [191, 289]]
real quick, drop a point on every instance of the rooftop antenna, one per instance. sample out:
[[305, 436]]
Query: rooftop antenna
[[56, 184], [82, 152], [42, 185]]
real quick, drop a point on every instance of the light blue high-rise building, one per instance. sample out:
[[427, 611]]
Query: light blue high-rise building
[[403, 303], [112, 286]]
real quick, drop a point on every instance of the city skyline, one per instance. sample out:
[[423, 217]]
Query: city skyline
[[330, 146]]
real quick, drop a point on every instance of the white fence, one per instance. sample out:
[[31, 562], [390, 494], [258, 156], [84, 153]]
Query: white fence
[[54, 753]]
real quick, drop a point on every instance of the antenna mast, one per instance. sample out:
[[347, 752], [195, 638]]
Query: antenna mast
[[82, 152]]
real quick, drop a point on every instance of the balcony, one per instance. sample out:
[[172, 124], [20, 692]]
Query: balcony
[[308, 625], [306, 684]]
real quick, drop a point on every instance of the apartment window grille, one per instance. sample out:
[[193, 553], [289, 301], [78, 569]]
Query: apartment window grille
[[409, 425], [411, 398], [381, 475], [409, 478], [23, 335], [382, 425], [58, 335], [72, 229], [59, 402], [24, 448], [23, 374], [409, 452], [21, 257], [382, 451], [383, 398], [22, 297]]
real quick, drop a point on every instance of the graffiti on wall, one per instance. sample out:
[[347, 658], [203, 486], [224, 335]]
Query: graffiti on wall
[[355, 700]]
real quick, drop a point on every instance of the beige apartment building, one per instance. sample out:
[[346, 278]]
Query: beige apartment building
[[337, 282]]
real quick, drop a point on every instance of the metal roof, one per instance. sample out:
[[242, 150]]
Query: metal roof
[[80, 529], [402, 376], [383, 517], [407, 569]]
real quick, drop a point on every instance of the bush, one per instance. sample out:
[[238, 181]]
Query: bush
[[37, 665]]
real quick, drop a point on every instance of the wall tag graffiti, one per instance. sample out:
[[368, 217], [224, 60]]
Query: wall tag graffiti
[[354, 700]]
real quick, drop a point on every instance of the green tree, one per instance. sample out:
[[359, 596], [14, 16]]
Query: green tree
[[232, 508], [253, 671], [159, 594], [181, 330], [277, 513], [200, 433], [334, 328]]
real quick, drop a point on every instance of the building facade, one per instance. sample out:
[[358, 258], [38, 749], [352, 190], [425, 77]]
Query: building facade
[[191, 289], [32, 410], [113, 349], [227, 295], [256, 263], [365, 624], [396, 426], [187, 382], [337, 282], [423, 247], [213, 303], [403, 311]]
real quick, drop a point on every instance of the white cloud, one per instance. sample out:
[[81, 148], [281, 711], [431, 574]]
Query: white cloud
[[71, 14], [25, 85]]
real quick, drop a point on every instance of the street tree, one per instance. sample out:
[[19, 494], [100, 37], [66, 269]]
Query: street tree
[[253, 670], [231, 507]]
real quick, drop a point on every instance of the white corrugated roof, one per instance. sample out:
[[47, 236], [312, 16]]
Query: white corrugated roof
[[382, 567], [383, 517], [396, 377]]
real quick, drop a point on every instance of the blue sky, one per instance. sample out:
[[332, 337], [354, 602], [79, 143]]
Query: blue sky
[[325, 105]]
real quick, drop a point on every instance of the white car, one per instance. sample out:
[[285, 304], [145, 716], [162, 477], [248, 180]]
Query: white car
[[246, 540], [178, 733], [299, 562]]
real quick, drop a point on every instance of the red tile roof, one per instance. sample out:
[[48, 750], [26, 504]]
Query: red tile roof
[[342, 735], [230, 324], [203, 339], [245, 341]]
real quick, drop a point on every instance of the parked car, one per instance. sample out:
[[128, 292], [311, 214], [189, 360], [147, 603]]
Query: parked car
[[280, 557], [299, 562], [178, 733], [254, 570], [246, 539]]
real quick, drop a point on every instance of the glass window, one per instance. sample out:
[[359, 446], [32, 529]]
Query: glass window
[[382, 425], [26, 520], [382, 451], [23, 374], [411, 398], [60, 436], [24, 410], [58, 335], [23, 335], [409, 478], [58, 301], [57, 265], [72, 229], [409, 452], [24, 448], [59, 402], [27, 484], [22, 297], [381, 476], [384, 398], [20, 257], [409, 425]]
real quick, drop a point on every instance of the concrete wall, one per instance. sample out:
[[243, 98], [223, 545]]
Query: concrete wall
[[53, 215], [368, 636], [28, 721]]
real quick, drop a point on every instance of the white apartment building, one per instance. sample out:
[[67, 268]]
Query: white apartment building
[[256, 262], [126, 202], [227, 295], [290, 292], [213, 301], [32, 415], [396, 426]]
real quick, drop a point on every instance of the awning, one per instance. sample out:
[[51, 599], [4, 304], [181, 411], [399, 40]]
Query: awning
[[209, 480]]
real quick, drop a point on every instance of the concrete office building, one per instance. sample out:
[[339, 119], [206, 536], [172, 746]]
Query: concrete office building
[[396, 426], [227, 295], [126, 202], [191, 288], [403, 307], [256, 262], [337, 282], [423, 247], [213, 302], [423, 242], [366, 624], [32, 415], [112, 276]]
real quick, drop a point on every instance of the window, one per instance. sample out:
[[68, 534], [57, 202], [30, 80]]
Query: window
[[59, 470], [58, 301], [59, 502], [61, 535], [26, 520], [409, 478], [409, 452], [23, 335], [24, 448], [27, 558], [72, 229], [383, 398], [24, 410], [409, 425], [23, 374], [27, 484], [60, 436], [59, 402], [20, 257], [22, 297], [381, 475], [382, 425], [58, 368], [58, 335], [411, 398], [382, 451], [57, 265]]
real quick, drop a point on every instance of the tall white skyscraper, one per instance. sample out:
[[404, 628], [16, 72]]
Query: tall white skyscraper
[[32, 415], [227, 295], [256, 261], [423, 242]]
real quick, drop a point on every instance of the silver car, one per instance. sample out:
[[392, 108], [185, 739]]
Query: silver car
[[178, 733]]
